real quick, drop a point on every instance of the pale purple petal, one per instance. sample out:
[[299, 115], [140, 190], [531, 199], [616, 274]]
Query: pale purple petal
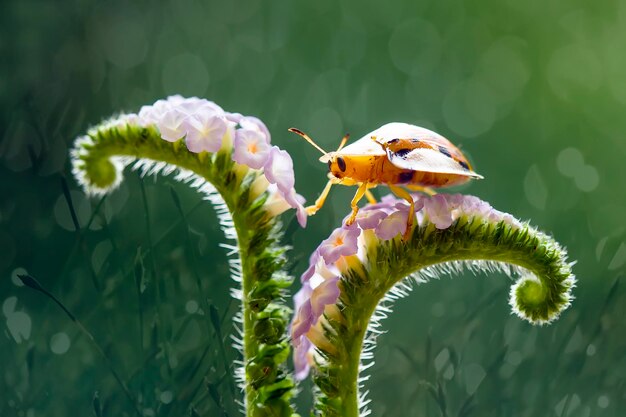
[[153, 113], [303, 322], [296, 201], [279, 169], [251, 149], [170, 125], [301, 358], [302, 295], [438, 212], [418, 203], [275, 203], [248, 122], [204, 132], [369, 219], [324, 294], [176, 99], [393, 225], [195, 105], [342, 242], [315, 256]]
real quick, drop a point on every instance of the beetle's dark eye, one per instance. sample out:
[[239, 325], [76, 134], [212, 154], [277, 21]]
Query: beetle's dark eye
[[330, 165], [342, 164]]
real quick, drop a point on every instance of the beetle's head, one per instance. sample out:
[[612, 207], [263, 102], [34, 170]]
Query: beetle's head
[[336, 163]]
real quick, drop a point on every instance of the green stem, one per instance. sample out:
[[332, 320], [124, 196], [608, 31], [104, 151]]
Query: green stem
[[267, 388], [539, 296]]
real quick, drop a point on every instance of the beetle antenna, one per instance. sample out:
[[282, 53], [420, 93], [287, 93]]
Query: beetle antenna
[[343, 142], [307, 138]]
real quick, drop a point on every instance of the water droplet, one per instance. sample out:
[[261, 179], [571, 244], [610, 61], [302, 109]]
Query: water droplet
[[591, 349], [192, 306], [603, 401], [535, 188], [587, 178], [166, 397], [8, 306], [569, 161], [19, 325], [60, 343], [473, 375]]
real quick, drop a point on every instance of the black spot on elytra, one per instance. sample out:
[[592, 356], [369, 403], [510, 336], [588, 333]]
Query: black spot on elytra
[[445, 151], [402, 152], [415, 140], [464, 165], [405, 177], [342, 164], [393, 140]]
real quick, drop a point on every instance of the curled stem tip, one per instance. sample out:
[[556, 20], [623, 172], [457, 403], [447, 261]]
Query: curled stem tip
[[229, 159], [360, 268]]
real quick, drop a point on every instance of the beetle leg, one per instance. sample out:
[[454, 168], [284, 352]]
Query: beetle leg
[[406, 196], [426, 190], [355, 201], [370, 197], [311, 210]]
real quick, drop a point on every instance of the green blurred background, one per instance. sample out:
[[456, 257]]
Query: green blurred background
[[533, 91]]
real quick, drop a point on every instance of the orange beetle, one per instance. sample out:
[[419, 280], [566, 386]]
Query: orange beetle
[[395, 154]]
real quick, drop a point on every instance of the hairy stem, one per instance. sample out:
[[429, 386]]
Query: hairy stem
[[540, 294], [98, 162]]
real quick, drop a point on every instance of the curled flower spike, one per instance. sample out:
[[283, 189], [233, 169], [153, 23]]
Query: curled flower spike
[[451, 232], [202, 126], [229, 159]]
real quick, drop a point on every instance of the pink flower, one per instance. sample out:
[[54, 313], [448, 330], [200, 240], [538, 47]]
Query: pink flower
[[303, 295], [392, 225], [170, 125], [324, 294], [195, 105], [279, 202], [438, 211], [303, 321], [205, 131], [369, 219], [253, 123], [302, 358], [251, 148], [306, 276], [342, 242], [279, 169], [153, 113]]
